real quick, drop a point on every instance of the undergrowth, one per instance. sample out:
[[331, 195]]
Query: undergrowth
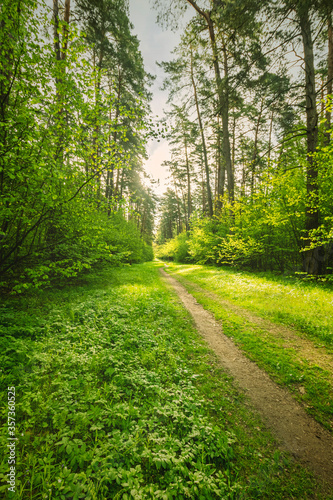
[[118, 398]]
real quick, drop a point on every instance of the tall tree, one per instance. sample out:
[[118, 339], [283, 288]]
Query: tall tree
[[222, 86], [202, 133]]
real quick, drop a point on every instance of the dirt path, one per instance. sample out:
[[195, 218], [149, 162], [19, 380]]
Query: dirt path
[[303, 347], [297, 432]]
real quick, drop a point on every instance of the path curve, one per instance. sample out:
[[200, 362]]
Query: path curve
[[298, 433]]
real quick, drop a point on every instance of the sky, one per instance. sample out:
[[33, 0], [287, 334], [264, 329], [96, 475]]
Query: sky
[[156, 44]]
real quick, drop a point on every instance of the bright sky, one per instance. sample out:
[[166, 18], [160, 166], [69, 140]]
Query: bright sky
[[156, 44]]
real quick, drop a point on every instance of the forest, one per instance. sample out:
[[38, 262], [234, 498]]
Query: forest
[[132, 323], [74, 122], [249, 124]]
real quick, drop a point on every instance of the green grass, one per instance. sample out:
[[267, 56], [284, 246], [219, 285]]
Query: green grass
[[117, 397], [268, 350], [293, 302]]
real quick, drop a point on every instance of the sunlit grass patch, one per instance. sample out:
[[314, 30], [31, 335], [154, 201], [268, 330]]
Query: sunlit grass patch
[[308, 307]]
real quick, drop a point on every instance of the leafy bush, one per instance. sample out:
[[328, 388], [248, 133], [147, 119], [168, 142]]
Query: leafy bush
[[147, 252], [206, 235], [235, 251], [176, 249], [92, 238]]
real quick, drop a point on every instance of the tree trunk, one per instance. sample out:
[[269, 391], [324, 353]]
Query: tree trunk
[[115, 134], [59, 115], [55, 30], [6, 81], [220, 170], [189, 203], [203, 193], [224, 104], [255, 148], [270, 136], [109, 174], [209, 192], [97, 126], [233, 151], [243, 182], [179, 224], [329, 75], [311, 260], [65, 30]]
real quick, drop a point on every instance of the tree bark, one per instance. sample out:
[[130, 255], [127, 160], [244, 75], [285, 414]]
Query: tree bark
[[65, 30], [270, 137], [189, 202], [109, 174], [224, 105], [7, 77], [115, 134], [311, 261], [56, 29], [209, 192], [255, 148], [220, 170], [329, 75], [179, 223], [59, 115]]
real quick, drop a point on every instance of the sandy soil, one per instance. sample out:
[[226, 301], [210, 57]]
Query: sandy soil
[[296, 431]]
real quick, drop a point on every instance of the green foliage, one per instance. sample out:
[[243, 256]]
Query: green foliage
[[286, 301], [263, 233], [103, 239], [238, 251], [171, 209], [205, 236], [176, 249], [62, 141], [147, 253], [117, 398], [271, 171]]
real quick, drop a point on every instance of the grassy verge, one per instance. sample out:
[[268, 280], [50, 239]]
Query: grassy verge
[[306, 306], [118, 398], [275, 299]]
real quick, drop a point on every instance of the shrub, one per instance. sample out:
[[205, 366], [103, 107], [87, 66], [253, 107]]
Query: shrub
[[206, 235], [176, 249]]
